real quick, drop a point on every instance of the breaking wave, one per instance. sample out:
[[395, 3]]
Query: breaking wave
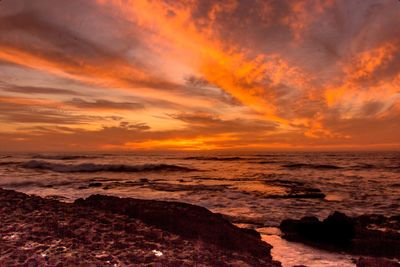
[[361, 166], [92, 167], [311, 166], [63, 157], [216, 158]]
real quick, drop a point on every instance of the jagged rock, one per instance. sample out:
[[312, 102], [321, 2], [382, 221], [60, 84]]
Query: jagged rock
[[339, 232]]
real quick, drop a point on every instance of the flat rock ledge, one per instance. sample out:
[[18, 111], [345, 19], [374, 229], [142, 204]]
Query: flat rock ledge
[[112, 231]]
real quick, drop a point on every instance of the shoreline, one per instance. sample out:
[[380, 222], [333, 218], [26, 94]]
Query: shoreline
[[112, 231]]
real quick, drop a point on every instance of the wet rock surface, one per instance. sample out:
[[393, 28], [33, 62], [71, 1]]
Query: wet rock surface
[[370, 235], [44, 232]]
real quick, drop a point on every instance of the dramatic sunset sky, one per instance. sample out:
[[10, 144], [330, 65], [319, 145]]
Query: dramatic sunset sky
[[199, 74]]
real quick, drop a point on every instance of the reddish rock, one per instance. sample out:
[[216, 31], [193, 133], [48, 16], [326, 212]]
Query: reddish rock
[[339, 232], [41, 232], [376, 262], [184, 219]]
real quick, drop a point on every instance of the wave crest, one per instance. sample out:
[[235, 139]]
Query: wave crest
[[311, 166], [63, 157], [215, 158], [92, 167]]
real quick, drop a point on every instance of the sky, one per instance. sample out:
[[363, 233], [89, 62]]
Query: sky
[[140, 75]]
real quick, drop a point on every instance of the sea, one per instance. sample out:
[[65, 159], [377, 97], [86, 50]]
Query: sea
[[251, 189]]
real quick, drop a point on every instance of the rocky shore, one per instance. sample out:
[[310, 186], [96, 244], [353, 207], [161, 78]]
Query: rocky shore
[[111, 231], [374, 236]]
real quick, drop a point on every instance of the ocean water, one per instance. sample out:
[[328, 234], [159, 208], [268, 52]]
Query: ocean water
[[255, 190]]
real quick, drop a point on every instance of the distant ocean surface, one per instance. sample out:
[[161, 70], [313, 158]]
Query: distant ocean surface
[[253, 189]]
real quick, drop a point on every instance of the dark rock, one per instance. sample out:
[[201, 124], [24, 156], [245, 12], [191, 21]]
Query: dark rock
[[306, 195], [340, 227], [56, 197], [305, 192], [108, 230], [337, 228], [251, 232], [376, 262], [295, 189], [184, 219], [339, 232], [95, 184]]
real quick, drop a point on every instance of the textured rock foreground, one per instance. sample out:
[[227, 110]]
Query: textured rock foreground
[[109, 231]]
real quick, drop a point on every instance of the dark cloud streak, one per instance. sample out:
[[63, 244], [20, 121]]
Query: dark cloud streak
[[104, 104], [31, 90]]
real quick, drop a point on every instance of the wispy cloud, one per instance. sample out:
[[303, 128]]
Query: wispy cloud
[[104, 104], [32, 90]]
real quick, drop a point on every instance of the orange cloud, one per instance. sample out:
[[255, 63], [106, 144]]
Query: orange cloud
[[261, 73], [251, 81], [366, 63], [303, 13], [362, 81], [108, 73], [29, 101]]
